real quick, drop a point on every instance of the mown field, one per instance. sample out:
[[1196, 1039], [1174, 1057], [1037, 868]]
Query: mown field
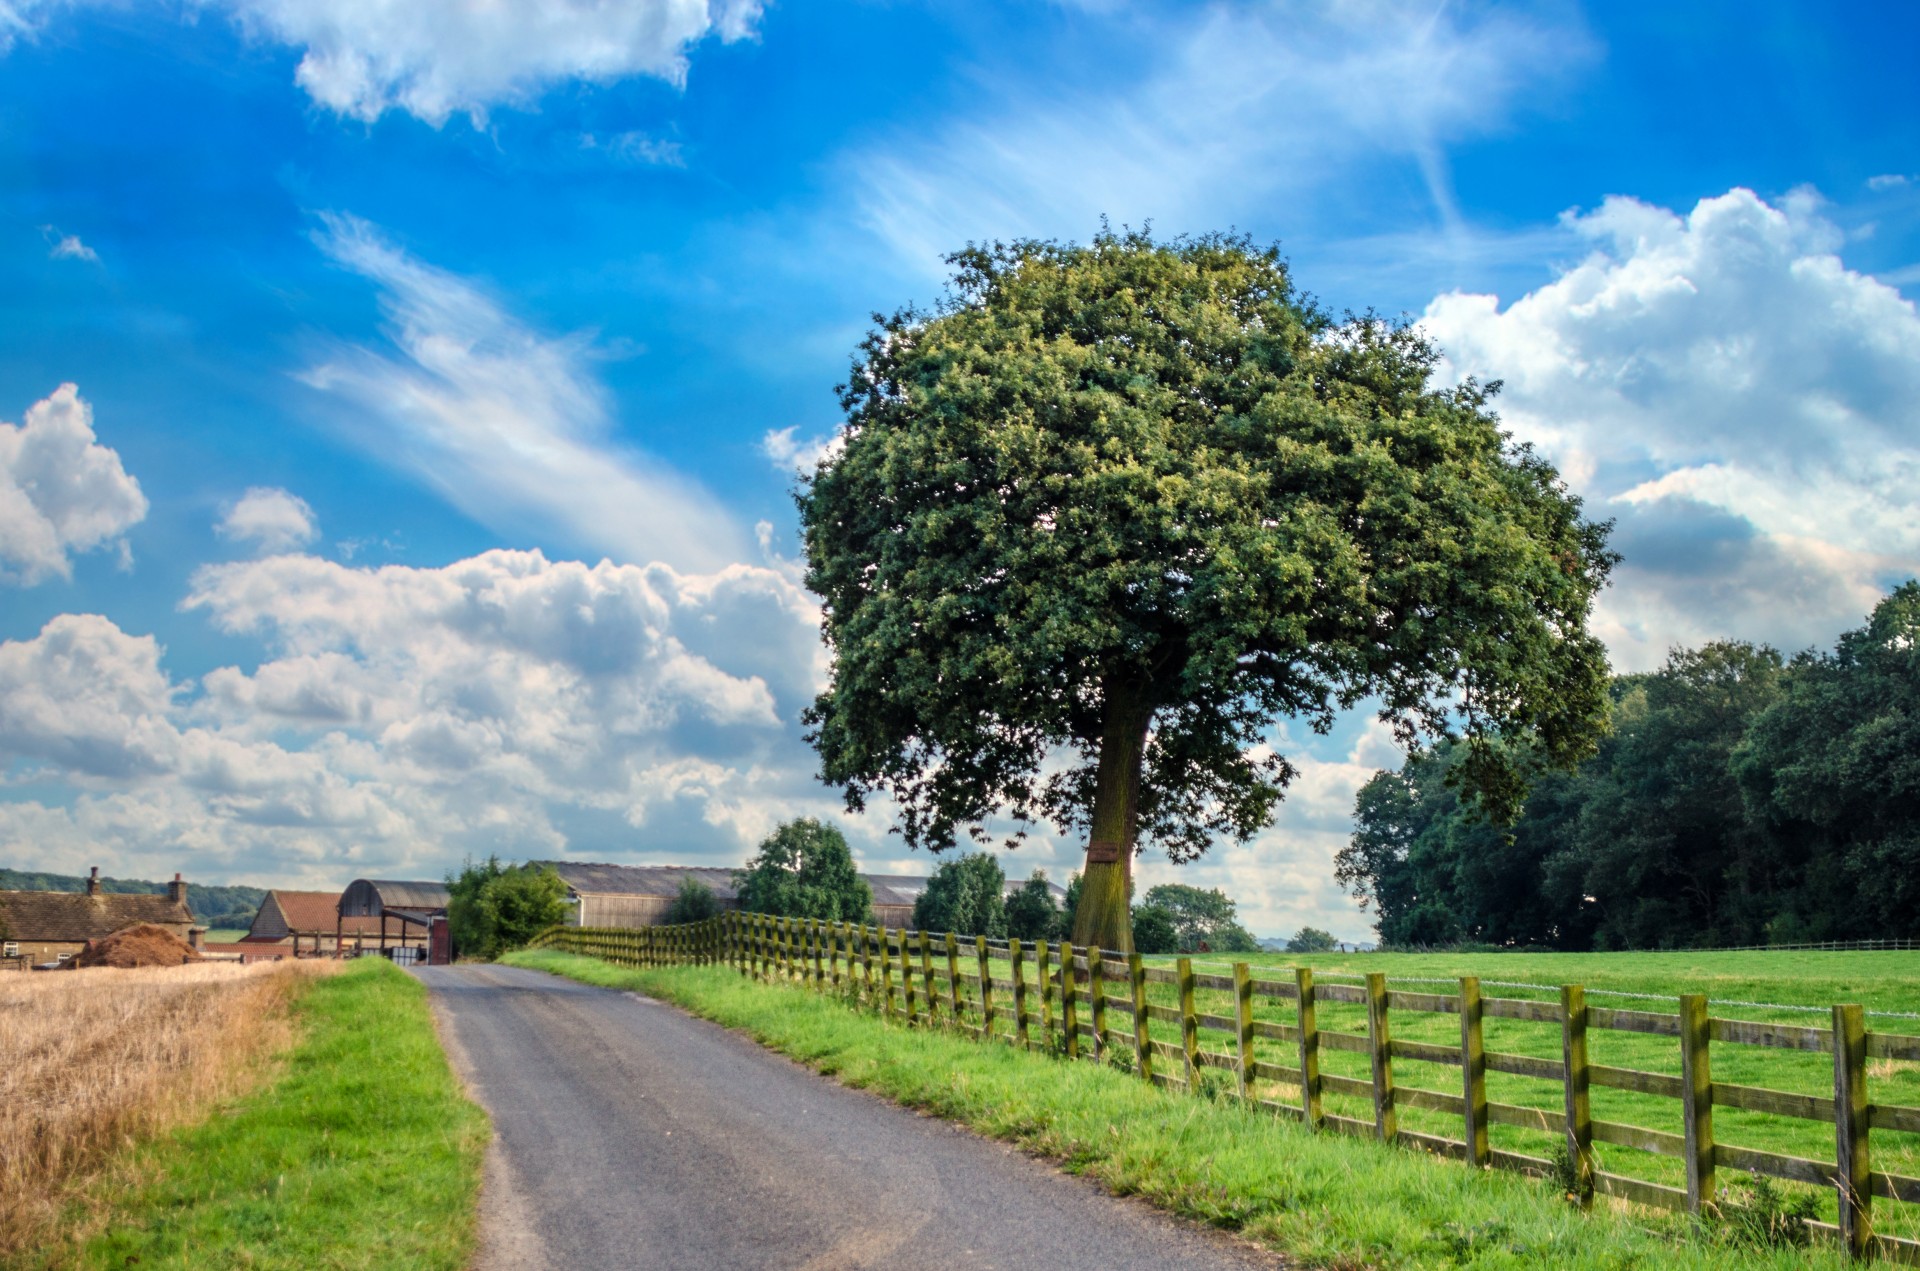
[[1736, 984]]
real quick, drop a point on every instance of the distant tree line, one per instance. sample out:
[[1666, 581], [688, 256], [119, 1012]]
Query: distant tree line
[[1741, 798]]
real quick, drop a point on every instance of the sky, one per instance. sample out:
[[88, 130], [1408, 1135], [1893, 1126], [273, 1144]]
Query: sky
[[400, 405]]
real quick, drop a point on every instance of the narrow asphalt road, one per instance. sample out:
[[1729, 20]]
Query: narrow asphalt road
[[631, 1135]]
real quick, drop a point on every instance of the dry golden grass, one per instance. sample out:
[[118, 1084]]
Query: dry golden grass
[[94, 1060]]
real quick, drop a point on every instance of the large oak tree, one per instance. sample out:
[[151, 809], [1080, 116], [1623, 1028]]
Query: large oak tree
[[1111, 510]]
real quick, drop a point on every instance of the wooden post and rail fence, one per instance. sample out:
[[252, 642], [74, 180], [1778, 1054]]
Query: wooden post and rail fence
[[952, 982]]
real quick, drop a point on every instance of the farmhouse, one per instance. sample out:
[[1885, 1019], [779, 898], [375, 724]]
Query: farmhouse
[[54, 926], [638, 895], [310, 922]]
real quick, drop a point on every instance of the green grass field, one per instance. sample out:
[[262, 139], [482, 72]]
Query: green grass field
[[1881, 982], [1327, 1200], [363, 1152]]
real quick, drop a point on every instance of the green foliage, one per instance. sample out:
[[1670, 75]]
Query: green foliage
[[694, 902], [1754, 1212], [1203, 921], [805, 870], [965, 896], [1742, 799], [1032, 913], [226, 907], [1070, 905], [492, 908], [1312, 940], [1563, 1175], [364, 1153], [1155, 929], [1135, 500]]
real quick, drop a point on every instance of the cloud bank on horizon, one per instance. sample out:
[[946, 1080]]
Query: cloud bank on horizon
[[256, 701]]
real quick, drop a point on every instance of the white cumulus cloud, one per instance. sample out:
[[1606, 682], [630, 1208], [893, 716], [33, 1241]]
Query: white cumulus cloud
[[61, 492], [507, 423], [1744, 404], [269, 520], [69, 247], [436, 58], [403, 717], [789, 451]]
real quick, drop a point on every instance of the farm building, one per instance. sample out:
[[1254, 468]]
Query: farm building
[[638, 895], [310, 923], [54, 926], [405, 913]]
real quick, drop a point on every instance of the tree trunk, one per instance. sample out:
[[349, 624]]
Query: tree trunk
[[1104, 917]]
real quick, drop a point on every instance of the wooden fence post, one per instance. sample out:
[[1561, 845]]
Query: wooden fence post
[[866, 963], [926, 982], [1309, 1026], [1696, 1100], [1189, 1024], [1386, 1122], [1579, 1108], [1097, 987], [953, 982], [1041, 954], [1473, 1070], [1020, 1036], [1069, 1006], [886, 969], [1142, 1039], [819, 955], [909, 982], [986, 988], [1853, 1180], [1243, 1030]]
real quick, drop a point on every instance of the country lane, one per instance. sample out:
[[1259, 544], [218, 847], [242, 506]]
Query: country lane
[[631, 1135]]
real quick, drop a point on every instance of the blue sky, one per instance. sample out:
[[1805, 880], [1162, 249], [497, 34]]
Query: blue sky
[[440, 372]]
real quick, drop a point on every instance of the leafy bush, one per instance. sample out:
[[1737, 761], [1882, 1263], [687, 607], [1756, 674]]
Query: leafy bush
[[1154, 930], [1311, 940], [804, 870], [493, 907], [1203, 920], [964, 896], [1031, 911], [693, 903]]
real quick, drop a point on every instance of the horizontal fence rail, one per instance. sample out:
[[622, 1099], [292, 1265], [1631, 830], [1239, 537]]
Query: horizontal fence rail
[[1087, 1004]]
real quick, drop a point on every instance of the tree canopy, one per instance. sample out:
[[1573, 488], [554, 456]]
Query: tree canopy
[[805, 870], [1311, 940], [965, 895], [1203, 921], [1032, 912], [1135, 500], [493, 908], [1743, 798], [694, 902]]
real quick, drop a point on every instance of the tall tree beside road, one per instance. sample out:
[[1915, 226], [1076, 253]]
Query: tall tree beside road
[[805, 870], [492, 908], [964, 896], [1134, 501]]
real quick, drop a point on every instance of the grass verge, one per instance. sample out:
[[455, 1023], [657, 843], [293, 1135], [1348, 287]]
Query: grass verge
[[363, 1152], [1328, 1201]]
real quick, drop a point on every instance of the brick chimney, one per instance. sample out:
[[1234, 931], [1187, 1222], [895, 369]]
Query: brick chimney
[[93, 882], [177, 891]]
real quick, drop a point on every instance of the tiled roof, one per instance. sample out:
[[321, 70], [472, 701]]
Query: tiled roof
[[76, 915], [309, 911]]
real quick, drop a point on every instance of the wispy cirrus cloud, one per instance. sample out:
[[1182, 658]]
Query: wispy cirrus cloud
[[1246, 106], [508, 424]]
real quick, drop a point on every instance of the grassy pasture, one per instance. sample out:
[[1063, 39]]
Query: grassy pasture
[[1327, 1200], [1886, 982]]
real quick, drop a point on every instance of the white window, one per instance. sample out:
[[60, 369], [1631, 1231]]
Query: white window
[[9, 950]]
